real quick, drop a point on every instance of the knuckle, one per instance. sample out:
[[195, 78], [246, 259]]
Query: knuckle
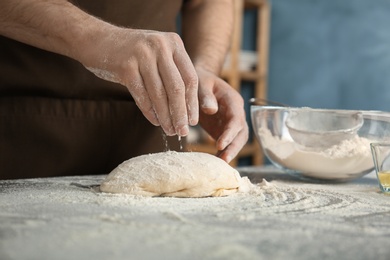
[[192, 81], [144, 52], [175, 37], [159, 94], [127, 68], [176, 89], [149, 110], [143, 48], [165, 41], [157, 40]]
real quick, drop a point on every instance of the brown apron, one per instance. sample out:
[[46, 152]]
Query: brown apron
[[57, 118]]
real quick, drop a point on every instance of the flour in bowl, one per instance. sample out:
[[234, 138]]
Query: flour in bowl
[[342, 161]]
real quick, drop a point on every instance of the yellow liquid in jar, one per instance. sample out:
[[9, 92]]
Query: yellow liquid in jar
[[384, 179]]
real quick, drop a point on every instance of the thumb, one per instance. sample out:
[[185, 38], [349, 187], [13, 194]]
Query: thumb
[[207, 100]]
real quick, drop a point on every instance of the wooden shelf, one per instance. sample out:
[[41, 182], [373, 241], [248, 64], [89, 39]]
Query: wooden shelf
[[234, 76], [245, 75]]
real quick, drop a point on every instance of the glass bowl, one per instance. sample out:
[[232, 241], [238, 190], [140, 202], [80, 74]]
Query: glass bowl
[[337, 149]]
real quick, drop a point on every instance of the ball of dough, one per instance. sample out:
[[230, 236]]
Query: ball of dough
[[173, 174]]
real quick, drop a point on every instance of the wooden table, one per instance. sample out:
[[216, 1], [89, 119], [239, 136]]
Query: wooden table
[[65, 218]]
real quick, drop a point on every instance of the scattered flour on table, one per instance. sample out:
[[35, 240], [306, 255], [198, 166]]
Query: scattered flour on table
[[75, 222], [349, 157], [260, 199], [76, 219]]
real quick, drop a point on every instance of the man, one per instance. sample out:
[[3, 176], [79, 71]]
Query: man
[[84, 84]]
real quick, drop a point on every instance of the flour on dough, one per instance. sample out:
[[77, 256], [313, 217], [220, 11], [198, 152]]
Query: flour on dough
[[175, 174]]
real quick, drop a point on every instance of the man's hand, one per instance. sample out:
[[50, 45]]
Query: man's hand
[[222, 114], [207, 28], [157, 71]]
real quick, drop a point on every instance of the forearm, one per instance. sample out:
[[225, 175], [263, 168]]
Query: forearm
[[207, 28], [56, 25]]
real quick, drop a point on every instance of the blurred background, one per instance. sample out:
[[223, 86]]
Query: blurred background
[[327, 54]]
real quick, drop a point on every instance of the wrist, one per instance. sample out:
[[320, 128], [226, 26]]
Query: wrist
[[85, 35]]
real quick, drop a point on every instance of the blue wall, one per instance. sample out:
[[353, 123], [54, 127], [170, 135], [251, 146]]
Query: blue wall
[[328, 53]]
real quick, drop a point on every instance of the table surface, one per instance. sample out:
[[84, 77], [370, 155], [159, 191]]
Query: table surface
[[66, 218]]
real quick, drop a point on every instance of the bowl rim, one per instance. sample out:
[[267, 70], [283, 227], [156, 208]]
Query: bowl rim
[[366, 112]]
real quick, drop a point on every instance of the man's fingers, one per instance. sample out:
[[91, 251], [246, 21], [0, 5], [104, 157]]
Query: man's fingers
[[175, 90], [163, 81], [158, 96], [190, 79], [136, 87], [235, 146]]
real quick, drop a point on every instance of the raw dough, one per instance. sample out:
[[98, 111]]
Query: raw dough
[[174, 174]]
